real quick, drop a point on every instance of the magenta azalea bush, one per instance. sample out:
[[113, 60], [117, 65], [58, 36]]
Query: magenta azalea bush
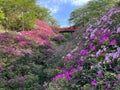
[[95, 65], [14, 44], [23, 62]]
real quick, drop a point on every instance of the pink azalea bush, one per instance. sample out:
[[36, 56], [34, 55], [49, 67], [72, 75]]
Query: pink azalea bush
[[15, 44], [44, 28], [22, 62], [97, 64], [43, 34]]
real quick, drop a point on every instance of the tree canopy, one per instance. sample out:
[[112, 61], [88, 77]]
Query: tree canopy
[[22, 14], [90, 12]]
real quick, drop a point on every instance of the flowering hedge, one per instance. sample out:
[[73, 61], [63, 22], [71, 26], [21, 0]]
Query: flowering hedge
[[96, 63], [43, 34], [23, 62], [14, 44]]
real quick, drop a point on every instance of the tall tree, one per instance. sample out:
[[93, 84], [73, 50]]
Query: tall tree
[[90, 12], [22, 14]]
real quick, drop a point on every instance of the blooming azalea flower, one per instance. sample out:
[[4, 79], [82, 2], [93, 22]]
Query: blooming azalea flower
[[99, 73], [67, 77], [104, 18], [113, 42], [118, 76], [59, 76], [107, 83], [92, 47], [69, 56], [118, 30], [79, 68], [99, 52], [94, 82], [118, 49], [115, 55], [83, 52], [107, 58], [58, 85]]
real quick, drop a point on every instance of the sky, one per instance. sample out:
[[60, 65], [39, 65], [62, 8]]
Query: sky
[[61, 9]]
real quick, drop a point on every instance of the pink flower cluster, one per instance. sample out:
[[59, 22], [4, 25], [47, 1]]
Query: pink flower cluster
[[42, 34], [15, 44]]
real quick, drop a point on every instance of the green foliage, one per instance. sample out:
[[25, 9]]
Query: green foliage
[[27, 70], [16, 13], [90, 12], [2, 16], [118, 87], [53, 22], [59, 85], [22, 15]]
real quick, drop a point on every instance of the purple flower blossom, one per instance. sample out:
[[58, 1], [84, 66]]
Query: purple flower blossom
[[67, 77], [58, 85], [118, 50], [109, 22], [104, 38], [44, 84], [99, 52], [118, 30], [99, 73], [113, 42], [107, 83], [115, 55], [10, 50], [49, 89], [69, 56], [1, 69], [98, 22], [116, 83], [118, 76], [79, 68], [64, 70], [107, 33], [53, 79], [83, 52], [92, 47], [104, 18], [80, 62], [94, 82], [92, 67], [71, 73], [59, 76], [107, 58], [92, 36], [108, 61]]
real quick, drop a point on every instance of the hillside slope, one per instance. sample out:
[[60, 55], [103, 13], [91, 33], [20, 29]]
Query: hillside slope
[[94, 61]]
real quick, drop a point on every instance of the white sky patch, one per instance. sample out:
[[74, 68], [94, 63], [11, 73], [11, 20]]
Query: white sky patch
[[79, 2], [54, 9], [60, 8], [72, 2], [55, 5]]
